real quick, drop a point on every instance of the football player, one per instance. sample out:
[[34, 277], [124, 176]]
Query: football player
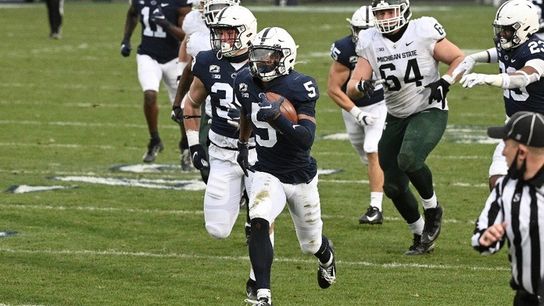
[[197, 38], [284, 171], [520, 55], [157, 56], [365, 117], [405, 53], [214, 71], [539, 5]]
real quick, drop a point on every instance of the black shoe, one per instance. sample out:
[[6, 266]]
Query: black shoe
[[417, 248], [251, 290], [372, 216], [433, 224], [153, 149], [326, 276]]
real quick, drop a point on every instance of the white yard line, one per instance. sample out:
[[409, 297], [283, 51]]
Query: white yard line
[[116, 253]]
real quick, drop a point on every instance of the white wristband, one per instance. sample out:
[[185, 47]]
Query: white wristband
[[192, 138], [448, 78]]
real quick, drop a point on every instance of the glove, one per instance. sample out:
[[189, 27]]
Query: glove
[[472, 79], [198, 156], [125, 48], [464, 67], [366, 87], [177, 114], [439, 90], [363, 118], [159, 19], [233, 117], [268, 111], [242, 159]]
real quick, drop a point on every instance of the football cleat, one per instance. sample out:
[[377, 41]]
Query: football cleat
[[433, 224], [326, 276], [263, 298], [251, 290], [372, 216], [153, 149], [417, 248]]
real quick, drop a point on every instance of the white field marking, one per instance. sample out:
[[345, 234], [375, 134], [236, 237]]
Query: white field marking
[[72, 104], [103, 209], [28, 188], [187, 185], [391, 265], [164, 175], [174, 212], [81, 124], [59, 145]]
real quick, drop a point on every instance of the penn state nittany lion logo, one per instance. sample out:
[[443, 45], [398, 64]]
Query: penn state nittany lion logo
[[242, 87]]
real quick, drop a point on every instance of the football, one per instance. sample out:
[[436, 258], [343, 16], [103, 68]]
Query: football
[[287, 108]]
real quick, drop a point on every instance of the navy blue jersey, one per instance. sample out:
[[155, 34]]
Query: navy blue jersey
[[156, 41], [218, 77], [343, 51], [530, 98], [276, 154]]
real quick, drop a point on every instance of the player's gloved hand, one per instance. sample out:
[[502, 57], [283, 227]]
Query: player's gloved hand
[[159, 19], [366, 87], [198, 156], [439, 90], [268, 111], [125, 48], [243, 155], [177, 114], [464, 67], [363, 118], [472, 79], [233, 115]]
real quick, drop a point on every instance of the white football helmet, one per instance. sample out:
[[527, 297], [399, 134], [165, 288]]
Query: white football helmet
[[212, 8], [362, 19], [238, 20], [402, 14], [515, 22], [272, 53]]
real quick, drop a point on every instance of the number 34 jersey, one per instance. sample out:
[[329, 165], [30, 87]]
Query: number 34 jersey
[[530, 98], [406, 65]]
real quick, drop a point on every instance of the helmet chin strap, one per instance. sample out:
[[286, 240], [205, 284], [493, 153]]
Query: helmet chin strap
[[514, 171]]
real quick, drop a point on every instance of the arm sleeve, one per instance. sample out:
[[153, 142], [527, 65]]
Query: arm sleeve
[[301, 134], [491, 214]]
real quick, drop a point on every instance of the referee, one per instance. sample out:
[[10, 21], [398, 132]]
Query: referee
[[515, 207]]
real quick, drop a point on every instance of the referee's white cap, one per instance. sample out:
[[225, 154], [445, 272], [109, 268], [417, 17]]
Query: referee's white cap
[[524, 127]]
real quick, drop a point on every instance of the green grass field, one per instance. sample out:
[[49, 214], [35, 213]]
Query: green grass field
[[72, 109]]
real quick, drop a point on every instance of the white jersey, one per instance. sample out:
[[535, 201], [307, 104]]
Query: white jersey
[[198, 34], [406, 65]]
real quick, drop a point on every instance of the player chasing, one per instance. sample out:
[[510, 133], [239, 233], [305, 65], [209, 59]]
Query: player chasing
[[364, 118], [284, 171], [520, 54], [157, 57], [405, 53]]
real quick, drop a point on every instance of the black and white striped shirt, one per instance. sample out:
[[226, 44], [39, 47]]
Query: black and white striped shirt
[[521, 205]]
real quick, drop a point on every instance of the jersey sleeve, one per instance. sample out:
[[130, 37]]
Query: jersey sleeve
[[190, 22], [305, 93], [339, 54], [200, 64], [430, 29], [363, 43]]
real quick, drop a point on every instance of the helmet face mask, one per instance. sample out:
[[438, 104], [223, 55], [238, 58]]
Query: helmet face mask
[[272, 54], [212, 7], [515, 22], [362, 19], [232, 31], [400, 14]]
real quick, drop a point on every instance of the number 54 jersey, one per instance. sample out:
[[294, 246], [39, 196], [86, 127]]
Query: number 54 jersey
[[276, 154], [406, 65]]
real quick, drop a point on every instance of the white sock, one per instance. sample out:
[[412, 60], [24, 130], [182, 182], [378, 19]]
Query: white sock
[[430, 203], [261, 293], [376, 199], [417, 227]]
